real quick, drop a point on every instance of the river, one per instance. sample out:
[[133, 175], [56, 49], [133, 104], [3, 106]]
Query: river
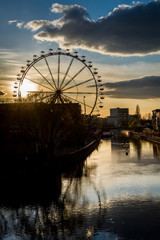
[[113, 195]]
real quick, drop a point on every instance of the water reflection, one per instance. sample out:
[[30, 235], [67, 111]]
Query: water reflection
[[112, 195], [120, 144], [137, 144], [156, 150]]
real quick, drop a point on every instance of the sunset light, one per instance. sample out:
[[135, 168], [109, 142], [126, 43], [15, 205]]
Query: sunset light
[[59, 77], [80, 119], [26, 87]]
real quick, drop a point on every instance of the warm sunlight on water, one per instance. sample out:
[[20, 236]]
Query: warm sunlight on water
[[114, 194], [118, 174], [119, 192]]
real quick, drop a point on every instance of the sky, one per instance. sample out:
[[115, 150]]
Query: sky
[[121, 38]]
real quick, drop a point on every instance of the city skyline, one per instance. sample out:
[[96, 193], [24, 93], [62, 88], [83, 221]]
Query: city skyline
[[121, 38]]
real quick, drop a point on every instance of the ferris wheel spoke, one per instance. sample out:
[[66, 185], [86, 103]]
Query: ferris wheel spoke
[[66, 99], [61, 99], [70, 64], [59, 60], [77, 101], [44, 97], [43, 77], [36, 94], [80, 93], [39, 84], [50, 72], [99, 100], [33, 96], [74, 82], [74, 77], [53, 98], [81, 83], [41, 92]]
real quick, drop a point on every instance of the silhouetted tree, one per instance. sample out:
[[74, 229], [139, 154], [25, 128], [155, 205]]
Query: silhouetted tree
[[138, 111], [134, 123]]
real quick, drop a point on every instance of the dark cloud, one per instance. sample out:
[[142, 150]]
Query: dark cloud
[[143, 88], [127, 30]]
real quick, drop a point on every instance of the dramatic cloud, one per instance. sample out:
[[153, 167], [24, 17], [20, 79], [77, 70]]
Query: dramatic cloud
[[143, 88], [127, 30], [37, 24]]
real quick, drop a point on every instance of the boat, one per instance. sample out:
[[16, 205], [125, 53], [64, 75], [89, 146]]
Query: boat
[[107, 134]]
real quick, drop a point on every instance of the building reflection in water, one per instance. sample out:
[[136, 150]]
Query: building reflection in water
[[120, 144], [156, 150], [98, 199], [137, 144]]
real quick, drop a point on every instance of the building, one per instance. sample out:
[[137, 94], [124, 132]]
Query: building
[[118, 117], [156, 119]]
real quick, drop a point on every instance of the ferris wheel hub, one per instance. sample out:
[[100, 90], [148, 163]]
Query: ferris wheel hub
[[59, 91], [63, 78]]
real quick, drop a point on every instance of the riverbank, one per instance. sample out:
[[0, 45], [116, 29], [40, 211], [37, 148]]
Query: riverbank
[[67, 160], [147, 137], [38, 165]]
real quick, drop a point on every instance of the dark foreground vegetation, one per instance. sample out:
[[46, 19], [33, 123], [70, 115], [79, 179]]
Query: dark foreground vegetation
[[33, 132]]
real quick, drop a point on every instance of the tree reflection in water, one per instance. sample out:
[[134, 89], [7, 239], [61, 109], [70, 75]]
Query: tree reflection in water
[[42, 211], [59, 207]]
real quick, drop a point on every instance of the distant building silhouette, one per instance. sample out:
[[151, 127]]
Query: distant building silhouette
[[118, 117], [156, 119]]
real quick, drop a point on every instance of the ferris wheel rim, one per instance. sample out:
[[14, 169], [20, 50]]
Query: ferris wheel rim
[[55, 53]]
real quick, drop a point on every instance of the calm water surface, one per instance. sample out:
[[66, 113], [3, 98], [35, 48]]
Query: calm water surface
[[114, 194]]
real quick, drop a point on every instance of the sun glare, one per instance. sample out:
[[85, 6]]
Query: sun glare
[[26, 87]]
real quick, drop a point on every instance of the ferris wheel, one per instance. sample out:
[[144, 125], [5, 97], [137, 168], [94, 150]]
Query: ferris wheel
[[60, 77]]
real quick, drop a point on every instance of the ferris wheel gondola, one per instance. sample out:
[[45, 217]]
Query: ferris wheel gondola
[[61, 77]]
